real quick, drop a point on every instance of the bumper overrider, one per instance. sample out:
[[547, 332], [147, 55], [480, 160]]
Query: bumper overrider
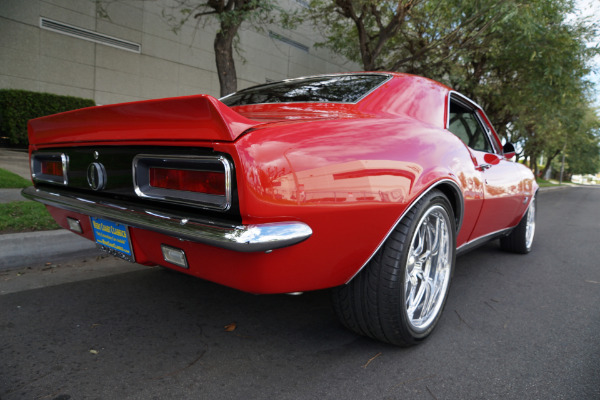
[[243, 238]]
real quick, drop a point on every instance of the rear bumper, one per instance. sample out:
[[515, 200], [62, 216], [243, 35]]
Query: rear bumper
[[243, 238]]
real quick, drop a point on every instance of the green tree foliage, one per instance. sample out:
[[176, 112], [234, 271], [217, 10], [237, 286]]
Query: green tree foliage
[[534, 87], [520, 59], [582, 155], [401, 35]]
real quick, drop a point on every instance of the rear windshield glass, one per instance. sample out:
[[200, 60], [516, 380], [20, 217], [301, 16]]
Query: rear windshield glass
[[320, 89]]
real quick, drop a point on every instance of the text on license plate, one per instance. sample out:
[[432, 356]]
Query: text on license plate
[[113, 238]]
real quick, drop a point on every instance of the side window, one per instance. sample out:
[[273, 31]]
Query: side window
[[465, 124]]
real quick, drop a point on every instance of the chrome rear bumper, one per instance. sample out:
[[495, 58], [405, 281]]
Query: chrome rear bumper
[[245, 238]]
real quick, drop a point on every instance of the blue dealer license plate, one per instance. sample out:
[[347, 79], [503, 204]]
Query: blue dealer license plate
[[113, 238]]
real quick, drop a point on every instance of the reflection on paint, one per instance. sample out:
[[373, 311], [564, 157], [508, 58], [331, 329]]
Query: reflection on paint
[[351, 182]]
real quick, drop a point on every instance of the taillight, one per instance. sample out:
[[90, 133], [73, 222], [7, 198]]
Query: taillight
[[204, 181], [49, 167], [52, 168], [188, 180]]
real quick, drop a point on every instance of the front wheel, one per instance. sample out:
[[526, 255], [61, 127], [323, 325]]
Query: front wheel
[[399, 296]]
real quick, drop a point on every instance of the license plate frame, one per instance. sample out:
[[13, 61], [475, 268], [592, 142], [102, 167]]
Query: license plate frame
[[113, 238]]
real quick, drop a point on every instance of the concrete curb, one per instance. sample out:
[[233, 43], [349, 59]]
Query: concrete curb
[[28, 248]]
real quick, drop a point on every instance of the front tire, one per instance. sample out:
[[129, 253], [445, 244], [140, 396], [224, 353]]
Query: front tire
[[399, 296]]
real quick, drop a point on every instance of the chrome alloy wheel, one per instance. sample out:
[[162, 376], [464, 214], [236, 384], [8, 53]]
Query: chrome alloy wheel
[[428, 268], [530, 227]]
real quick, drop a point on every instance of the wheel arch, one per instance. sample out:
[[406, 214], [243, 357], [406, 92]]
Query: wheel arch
[[452, 191], [454, 194]]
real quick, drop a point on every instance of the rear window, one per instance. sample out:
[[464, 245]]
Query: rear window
[[320, 89]]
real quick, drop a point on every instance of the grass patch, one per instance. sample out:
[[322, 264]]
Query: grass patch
[[8, 180], [25, 216]]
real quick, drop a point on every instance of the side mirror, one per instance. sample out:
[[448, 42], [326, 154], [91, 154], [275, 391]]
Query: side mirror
[[509, 150]]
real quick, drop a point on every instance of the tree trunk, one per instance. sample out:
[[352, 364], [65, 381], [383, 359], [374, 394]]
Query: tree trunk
[[533, 165], [548, 162], [224, 57]]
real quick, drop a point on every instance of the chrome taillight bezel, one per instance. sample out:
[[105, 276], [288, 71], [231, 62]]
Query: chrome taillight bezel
[[141, 179], [36, 168]]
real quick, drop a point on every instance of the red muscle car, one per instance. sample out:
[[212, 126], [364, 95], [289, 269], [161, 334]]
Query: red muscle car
[[367, 183]]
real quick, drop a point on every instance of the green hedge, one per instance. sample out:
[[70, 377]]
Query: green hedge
[[19, 106]]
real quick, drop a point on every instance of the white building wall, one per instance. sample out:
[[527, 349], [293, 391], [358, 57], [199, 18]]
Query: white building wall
[[169, 64]]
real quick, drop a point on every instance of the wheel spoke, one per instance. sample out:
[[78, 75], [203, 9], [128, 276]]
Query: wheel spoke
[[410, 301], [418, 249], [429, 300], [415, 300], [435, 243]]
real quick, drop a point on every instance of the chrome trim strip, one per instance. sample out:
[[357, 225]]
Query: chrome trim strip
[[481, 240], [243, 238], [458, 219], [194, 163], [461, 99]]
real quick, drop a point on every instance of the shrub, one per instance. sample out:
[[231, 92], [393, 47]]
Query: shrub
[[19, 106]]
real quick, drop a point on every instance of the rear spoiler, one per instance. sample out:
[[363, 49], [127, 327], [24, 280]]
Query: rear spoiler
[[189, 118]]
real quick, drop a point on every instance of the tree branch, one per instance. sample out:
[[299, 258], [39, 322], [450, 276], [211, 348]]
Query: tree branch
[[198, 15]]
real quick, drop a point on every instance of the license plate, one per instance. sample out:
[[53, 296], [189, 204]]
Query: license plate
[[113, 238]]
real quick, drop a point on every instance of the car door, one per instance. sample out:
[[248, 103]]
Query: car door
[[502, 198]]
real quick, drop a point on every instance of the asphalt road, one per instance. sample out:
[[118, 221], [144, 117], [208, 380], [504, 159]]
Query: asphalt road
[[515, 327]]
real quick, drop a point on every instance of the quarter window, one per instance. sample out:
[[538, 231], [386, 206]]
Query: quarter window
[[465, 124]]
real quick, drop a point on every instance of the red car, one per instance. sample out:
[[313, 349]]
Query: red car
[[367, 183]]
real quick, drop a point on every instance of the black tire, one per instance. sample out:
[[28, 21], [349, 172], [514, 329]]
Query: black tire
[[374, 303], [521, 237]]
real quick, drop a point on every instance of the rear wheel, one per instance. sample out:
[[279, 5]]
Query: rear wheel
[[520, 239], [399, 296]]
